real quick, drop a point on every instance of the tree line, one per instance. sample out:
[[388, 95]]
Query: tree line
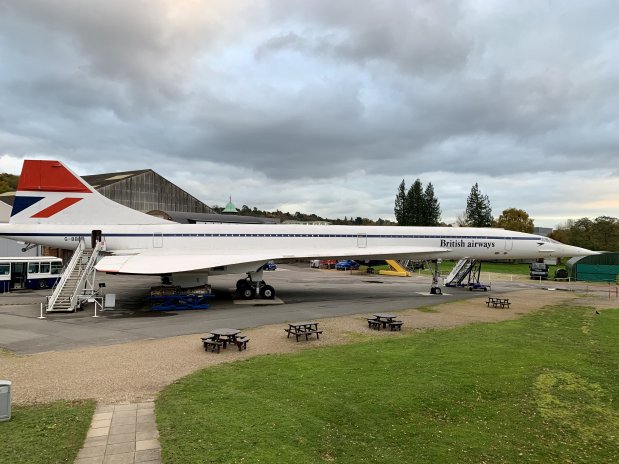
[[600, 234], [8, 182], [284, 216], [419, 207]]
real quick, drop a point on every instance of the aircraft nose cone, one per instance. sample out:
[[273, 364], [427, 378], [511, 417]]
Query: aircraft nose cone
[[577, 251]]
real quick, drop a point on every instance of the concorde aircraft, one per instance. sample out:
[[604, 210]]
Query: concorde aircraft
[[55, 207]]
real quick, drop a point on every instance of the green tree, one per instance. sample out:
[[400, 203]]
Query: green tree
[[600, 234], [478, 211], [431, 207], [605, 233], [581, 233], [8, 182], [515, 219], [414, 205], [417, 207], [400, 202]]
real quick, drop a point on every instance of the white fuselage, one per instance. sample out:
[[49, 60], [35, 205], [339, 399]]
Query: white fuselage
[[300, 240]]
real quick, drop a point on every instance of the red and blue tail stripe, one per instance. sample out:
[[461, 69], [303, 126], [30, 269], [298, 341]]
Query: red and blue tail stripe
[[46, 176]]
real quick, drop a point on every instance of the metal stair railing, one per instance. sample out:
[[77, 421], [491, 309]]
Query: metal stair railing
[[459, 272], [78, 280], [51, 301], [454, 272], [85, 287]]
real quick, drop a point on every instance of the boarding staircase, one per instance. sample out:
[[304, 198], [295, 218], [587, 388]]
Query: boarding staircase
[[78, 280], [460, 271], [395, 269]]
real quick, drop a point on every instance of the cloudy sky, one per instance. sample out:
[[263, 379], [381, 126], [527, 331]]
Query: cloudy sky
[[324, 106]]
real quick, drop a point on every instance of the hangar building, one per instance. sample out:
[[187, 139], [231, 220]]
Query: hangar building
[[595, 268], [146, 191]]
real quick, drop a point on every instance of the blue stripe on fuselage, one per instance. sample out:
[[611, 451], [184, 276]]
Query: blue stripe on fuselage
[[443, 237]]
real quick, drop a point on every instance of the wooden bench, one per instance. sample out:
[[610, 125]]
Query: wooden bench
[[498, 302], [374, 324], [395, 325], [293, 332], [241, 343], [300, 333], [310, 332], [214, 345]]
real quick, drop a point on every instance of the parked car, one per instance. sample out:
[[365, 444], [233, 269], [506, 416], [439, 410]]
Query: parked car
[[538, 271], [347, 264], [415, 264], [323, 263], [270, 266]]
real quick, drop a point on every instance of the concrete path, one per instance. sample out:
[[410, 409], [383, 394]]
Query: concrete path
[[122, 434]]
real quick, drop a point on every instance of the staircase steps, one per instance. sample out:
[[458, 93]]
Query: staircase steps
[[70, 291], [460, 271]]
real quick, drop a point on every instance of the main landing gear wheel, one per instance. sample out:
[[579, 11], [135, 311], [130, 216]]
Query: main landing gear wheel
[[248, 289], [247, 292], [267, 292]]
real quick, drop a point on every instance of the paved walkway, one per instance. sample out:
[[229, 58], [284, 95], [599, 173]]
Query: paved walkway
[[122, 434]]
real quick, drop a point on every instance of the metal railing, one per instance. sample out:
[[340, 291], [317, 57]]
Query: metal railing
[[86, 277], [82, 278], [68, 271]]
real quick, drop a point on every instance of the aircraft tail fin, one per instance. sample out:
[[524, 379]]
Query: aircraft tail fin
[[50, 193]]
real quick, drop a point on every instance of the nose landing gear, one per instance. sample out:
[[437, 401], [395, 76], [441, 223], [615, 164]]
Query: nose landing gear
[[435, 267]]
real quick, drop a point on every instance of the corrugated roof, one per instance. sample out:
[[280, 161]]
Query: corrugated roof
[[103, 180], [196, 218], [8, 198], [608, 259]]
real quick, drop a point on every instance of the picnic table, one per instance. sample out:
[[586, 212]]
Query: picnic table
[[498, 302], [305, 328], [220, 338], [383, 320]]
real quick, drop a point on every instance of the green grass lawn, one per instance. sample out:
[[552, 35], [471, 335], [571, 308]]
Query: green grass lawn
[[544, 388], [46, 434]]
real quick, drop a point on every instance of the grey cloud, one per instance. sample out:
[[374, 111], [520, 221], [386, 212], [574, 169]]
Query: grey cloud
[[419, 38], [128, 43], [295, 90]]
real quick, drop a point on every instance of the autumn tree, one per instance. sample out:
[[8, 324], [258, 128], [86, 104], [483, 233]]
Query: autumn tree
[[515, 219]]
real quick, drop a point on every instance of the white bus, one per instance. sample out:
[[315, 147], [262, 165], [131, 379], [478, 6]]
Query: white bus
[[33, 272]]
